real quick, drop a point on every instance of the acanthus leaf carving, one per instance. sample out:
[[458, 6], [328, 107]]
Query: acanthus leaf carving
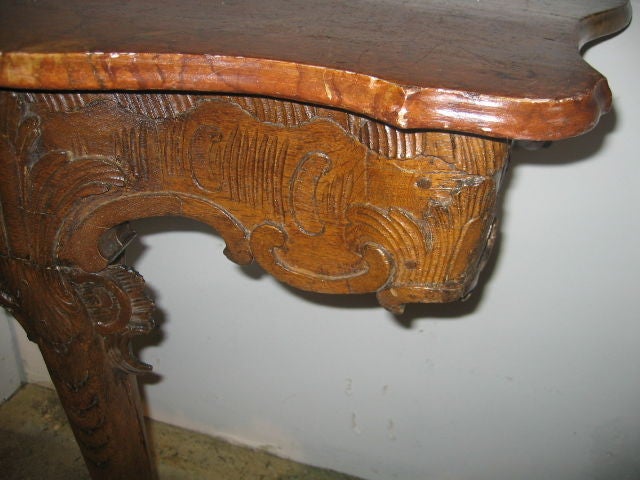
[[115, 302], [83, 324], [60, 307], [407, 214]]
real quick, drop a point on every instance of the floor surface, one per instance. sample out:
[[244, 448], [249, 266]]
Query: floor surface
[[37, 443]]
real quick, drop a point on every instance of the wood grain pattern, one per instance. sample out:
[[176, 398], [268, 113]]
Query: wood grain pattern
[[500, 68], [82, 322]]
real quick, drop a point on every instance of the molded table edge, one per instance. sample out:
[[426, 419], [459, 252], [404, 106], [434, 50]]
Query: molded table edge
[[402, 106]]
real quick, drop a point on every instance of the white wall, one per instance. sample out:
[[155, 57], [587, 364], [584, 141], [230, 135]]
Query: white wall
[[10, 369], [537, 377]]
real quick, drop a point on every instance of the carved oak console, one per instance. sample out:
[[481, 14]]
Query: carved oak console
[[343, 155]]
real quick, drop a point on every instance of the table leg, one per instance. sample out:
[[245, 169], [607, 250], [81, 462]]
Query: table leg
[[82, 324], [105, 413], [82, 321]]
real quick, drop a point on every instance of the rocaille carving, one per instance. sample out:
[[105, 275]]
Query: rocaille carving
[[74, 317], [404, 214], [325, 200]]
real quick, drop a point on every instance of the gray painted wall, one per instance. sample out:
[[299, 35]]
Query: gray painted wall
[[11, 375]]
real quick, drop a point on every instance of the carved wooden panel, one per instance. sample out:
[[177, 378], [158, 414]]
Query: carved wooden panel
[[324, 200]]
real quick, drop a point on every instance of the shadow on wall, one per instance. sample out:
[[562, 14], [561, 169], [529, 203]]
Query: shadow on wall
[[571, 150], [563, 152], [616, 450], [253, 271]]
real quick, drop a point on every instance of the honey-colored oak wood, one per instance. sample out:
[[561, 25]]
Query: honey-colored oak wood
[[502, 68], [283, 125]]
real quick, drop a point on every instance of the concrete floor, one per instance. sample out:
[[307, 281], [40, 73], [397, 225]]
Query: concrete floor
[[37, 443]]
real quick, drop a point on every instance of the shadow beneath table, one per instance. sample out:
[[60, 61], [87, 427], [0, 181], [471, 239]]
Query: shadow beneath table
[[254, 272], [570, 150]]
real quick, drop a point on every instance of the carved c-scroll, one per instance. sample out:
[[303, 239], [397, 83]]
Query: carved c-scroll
[[269, 241], [405, 214], [109, 214], [303, 192], [62, 307], [83, 324]]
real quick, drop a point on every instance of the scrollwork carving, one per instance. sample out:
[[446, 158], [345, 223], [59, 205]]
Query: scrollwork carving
[[62, 306], [83, 324], [419, 205]]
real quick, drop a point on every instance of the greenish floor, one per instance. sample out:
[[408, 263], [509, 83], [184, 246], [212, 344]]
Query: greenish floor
[[36, 443]]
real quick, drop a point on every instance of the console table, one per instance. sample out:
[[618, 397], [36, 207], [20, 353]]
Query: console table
[[347, 147]]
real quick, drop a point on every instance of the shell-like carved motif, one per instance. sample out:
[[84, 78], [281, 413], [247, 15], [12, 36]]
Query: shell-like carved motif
[[324, 200]]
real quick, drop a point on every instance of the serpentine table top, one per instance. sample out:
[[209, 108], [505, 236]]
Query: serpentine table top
[[347, 147], [502, 68]]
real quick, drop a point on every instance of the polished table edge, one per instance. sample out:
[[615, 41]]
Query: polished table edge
[[404, 106]]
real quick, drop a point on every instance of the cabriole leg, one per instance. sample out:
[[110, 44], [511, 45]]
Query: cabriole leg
[[82, 324]]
